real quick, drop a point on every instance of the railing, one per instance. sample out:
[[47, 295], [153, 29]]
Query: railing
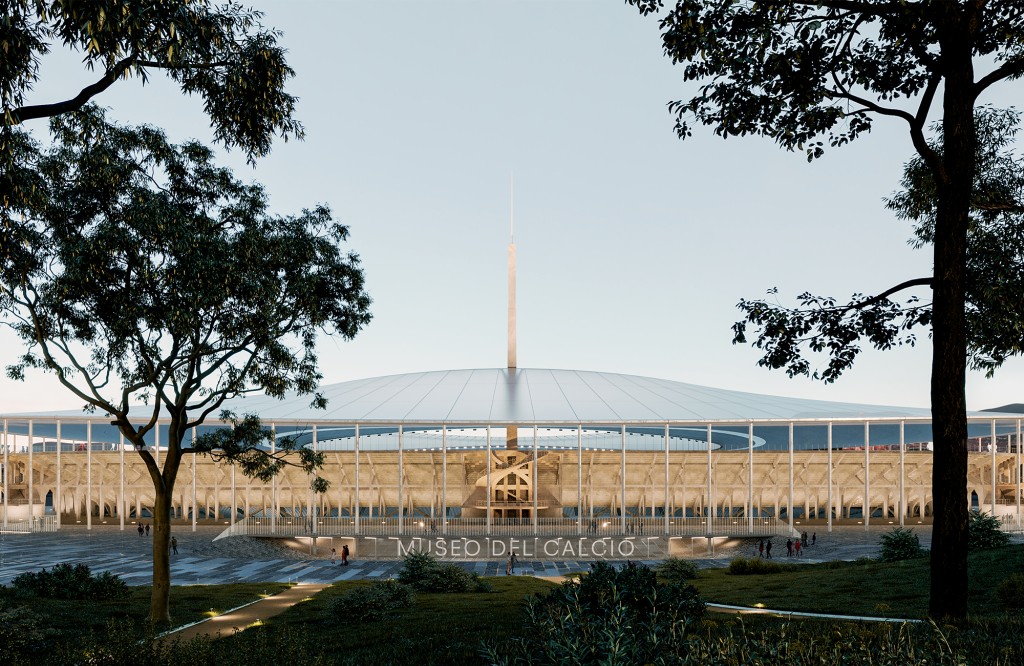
[[1012, 523], [35, 524], [460, 527]]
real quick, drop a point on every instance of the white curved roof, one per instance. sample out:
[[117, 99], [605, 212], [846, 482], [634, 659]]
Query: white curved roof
[[529, 396]]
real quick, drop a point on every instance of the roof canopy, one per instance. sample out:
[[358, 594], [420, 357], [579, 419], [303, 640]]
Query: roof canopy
[[529, 396]]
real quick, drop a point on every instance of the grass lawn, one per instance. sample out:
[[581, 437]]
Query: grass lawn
[[896, 589], [438, 629], [189, 603]]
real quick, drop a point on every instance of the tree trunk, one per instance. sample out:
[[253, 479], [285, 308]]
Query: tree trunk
[[949, 355], [160, 600]]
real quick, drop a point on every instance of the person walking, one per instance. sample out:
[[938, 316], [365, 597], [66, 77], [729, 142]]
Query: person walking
[[334, 555], [789, 548], [797, 547], [141, 528], [174, 545], [760, 548], [147, 529], [814, 538], [512, 562], [344, 554]]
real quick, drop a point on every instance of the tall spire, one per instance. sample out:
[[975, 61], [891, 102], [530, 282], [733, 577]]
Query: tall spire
[[512, 277]]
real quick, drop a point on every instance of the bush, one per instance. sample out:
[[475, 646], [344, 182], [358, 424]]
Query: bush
[[900, 544], [71, 581], [372, 602], [984, 531], [21, 633], [609, 616], [424, 573], [1011, 591], [742, 566], [677, 571]]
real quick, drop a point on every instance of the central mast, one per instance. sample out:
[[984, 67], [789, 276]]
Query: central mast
[[511, 433]]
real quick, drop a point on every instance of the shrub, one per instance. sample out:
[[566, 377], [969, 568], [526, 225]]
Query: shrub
[[609, 616], [71, 581], [372, 602], [1011, 591], [900, 544], [20, 632], [424, 573], [742, 566], [983, 531], [677, 571]]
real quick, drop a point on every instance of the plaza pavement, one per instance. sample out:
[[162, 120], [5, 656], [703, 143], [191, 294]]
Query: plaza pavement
[[203, 561]]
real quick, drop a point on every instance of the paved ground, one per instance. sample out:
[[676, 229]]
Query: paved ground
[[243, 617], [201, 560]]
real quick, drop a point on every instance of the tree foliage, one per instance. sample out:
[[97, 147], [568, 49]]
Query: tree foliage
[[222, 53], [155, 285], [813, 74], [791, 336]]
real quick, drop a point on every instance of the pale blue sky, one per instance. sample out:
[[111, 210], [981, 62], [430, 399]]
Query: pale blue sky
[[634, 247]]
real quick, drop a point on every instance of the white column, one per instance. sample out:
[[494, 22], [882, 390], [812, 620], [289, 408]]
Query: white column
[[866, 509], [488, 482], [234, 498], [579, 480], [88, 467], [1017, 472], [314, 506], [750, 476], [535, 486], [710, 509], [401, 482], [273, 483], [357, 508], [828, 493], [622, 504], [120, 495], [790, 510], [444, 479], [7, 489], [994, 447], [666, 484], [56, 490], [195, 508], [903, 491], [31, 472]]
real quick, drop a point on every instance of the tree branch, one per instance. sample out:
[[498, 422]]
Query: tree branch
[[916, 282], [23, 113], [1008, 69]]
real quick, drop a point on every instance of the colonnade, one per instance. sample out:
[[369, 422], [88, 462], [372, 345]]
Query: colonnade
[[622, 484]]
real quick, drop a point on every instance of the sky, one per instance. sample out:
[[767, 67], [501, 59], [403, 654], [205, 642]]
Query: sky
[[633, 246]]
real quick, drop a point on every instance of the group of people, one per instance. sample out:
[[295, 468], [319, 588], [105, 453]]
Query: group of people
[[800, 544], [143, 528], [510, 570], [764, 548], [344, 555]]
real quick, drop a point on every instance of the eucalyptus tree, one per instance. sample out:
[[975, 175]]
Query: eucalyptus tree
[[156, 286], [821, 326], [221, 52], [812, 74]]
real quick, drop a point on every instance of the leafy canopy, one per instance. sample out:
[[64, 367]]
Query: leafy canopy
[[141, 272], [221, 52], [821, 325]]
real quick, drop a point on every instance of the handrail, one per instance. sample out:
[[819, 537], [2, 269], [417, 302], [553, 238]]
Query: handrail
[[344, 526]]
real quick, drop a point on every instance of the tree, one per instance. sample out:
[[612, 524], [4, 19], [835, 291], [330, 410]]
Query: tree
[[223, 53], [154, 284], [790, 336], [799, 71]]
